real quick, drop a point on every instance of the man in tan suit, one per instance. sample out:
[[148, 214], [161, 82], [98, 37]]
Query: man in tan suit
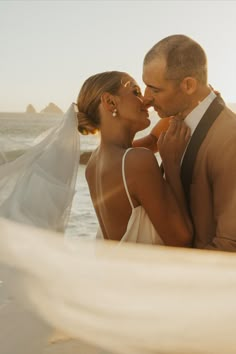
[[175, 75]]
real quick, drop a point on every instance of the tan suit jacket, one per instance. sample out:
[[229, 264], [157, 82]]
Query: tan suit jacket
[[213, 187]]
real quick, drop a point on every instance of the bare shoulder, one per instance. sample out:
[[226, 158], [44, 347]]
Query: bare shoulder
[[141, 158], [142, 169]]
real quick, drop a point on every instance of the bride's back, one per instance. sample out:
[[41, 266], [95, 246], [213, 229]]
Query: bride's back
[[107, 190]]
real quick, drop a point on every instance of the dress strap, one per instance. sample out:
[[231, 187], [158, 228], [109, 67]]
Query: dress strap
[[124, 179]]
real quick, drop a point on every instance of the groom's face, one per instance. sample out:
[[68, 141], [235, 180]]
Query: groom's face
[[164, 95]]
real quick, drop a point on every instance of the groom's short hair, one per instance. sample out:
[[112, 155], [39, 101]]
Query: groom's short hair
[[184, 57]]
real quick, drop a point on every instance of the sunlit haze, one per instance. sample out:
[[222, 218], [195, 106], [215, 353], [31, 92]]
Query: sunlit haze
[[48, 48]]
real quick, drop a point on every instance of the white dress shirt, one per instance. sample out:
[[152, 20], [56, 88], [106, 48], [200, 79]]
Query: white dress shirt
[[194, 117]]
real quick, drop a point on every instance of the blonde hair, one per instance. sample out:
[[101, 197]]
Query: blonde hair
[[89, 98]]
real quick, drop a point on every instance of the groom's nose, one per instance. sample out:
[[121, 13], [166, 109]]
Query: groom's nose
[[147, 98]]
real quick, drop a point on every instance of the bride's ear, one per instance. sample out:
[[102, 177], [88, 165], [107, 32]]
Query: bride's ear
[[108, 101]]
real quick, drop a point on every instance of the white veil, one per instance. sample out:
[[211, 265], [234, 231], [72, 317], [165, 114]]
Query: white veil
[[126, 298], [38, 187]]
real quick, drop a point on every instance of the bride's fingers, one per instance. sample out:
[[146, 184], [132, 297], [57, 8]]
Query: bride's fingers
[[177, 130], [161, 139], [173, 128], [187, 134], [182, 130]]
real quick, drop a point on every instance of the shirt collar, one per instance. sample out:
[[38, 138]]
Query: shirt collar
[[194, 117]]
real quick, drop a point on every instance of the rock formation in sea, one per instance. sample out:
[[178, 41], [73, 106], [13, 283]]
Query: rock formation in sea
[[52, 108], [30, 109]]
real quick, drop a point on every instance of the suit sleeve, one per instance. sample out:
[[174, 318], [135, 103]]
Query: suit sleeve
[[223, 182]]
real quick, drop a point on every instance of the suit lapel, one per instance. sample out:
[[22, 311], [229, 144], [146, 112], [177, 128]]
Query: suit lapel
[[198, 136]]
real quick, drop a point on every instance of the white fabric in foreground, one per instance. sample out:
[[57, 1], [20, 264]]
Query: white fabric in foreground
[[38, 187], [131, 299]]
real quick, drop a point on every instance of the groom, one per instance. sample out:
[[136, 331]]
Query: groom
[[175, 75]]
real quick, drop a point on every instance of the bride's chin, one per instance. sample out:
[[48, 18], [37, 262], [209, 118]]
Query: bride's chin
[[143, 124]]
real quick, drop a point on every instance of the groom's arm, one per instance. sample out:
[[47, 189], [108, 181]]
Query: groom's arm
[[222, 173]]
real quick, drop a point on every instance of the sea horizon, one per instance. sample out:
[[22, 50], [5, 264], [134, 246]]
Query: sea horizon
[[231, 105]]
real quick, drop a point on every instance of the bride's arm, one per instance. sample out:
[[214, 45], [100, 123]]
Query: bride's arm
[[172, 145], [150, 141]]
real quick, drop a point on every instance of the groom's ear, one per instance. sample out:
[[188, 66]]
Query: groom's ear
[[108, 101], [189, 85]]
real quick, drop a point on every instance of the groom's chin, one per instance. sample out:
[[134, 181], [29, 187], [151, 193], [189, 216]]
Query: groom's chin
[[161, 114]]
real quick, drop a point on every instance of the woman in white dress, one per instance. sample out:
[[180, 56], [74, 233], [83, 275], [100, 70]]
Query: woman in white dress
[[132, 200]]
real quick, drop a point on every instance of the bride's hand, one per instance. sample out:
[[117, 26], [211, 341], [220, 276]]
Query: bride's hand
[[172, 144]]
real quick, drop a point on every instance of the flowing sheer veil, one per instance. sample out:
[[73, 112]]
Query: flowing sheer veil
[[38, 187], [127, 298]]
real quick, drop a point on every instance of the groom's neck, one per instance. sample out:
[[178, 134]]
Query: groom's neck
[[195, 100]]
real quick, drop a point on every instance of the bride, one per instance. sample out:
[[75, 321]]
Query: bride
[[131, 198]]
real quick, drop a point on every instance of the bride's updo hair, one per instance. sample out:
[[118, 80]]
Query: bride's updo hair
[[89, 99]]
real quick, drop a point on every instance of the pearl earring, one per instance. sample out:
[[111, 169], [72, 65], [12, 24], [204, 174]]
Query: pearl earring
[[114, 113]]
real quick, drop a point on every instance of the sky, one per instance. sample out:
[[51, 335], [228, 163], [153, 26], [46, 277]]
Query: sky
[[49, 47]]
